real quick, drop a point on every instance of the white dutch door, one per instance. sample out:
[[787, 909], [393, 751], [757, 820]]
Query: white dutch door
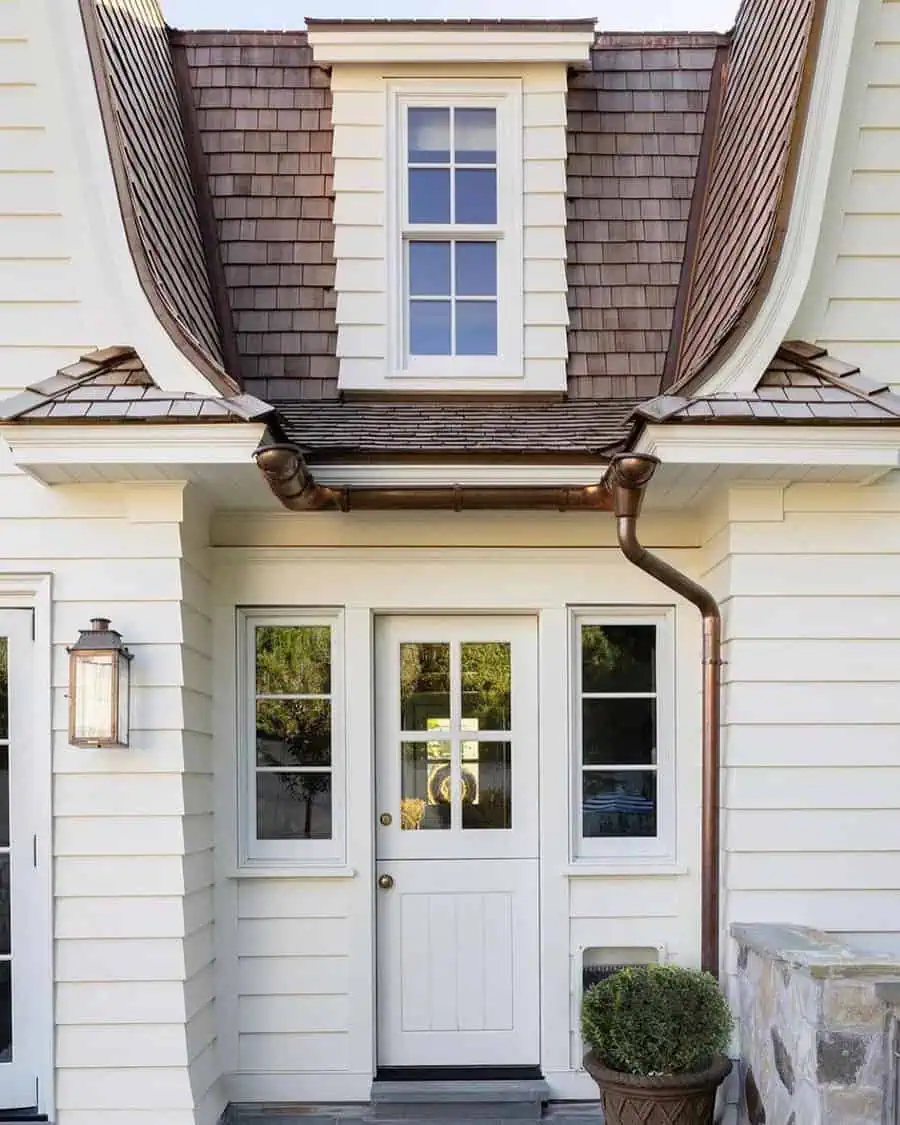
[[457, 841], [19, 883]]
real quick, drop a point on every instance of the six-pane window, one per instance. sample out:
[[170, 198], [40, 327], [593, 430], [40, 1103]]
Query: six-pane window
[[294, 712], [451, 268], [617, 700]]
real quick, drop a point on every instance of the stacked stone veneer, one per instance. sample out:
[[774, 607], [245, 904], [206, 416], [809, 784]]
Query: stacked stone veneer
[[815, 1026]]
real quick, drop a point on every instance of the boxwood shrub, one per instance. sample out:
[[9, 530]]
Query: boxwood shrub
[[656, 1019]]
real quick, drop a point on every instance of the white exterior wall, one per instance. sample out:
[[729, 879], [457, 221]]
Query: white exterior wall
[[810, 587], [297, 978], [852, 302], [363, 179], [131, 871]]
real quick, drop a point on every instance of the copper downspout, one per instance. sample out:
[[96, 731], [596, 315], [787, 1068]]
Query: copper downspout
[[627, 479], [286, 474]]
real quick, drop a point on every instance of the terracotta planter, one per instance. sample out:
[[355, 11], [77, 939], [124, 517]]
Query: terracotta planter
[[673, 1099]]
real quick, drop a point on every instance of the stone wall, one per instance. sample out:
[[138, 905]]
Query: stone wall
[[815, 1028]]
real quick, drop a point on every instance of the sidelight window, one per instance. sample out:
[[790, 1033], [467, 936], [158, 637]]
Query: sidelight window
[[624, 737], [292, 777]]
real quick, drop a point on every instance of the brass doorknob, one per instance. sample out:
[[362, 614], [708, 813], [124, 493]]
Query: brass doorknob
[[386, 882]]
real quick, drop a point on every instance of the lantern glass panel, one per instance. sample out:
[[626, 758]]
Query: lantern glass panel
[[94, 676], [123, 681]]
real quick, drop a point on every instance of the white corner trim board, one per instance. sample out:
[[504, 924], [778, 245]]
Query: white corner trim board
[[742, 369], [767, 445]]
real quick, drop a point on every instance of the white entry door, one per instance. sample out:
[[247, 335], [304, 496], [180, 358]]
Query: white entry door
[[457, 841], [20, 888]]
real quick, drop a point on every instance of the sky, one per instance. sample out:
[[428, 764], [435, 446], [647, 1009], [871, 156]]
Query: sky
[[612, 15]]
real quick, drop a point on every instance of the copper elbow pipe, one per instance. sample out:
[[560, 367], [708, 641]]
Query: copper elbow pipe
[[626, 480], [286, 474]]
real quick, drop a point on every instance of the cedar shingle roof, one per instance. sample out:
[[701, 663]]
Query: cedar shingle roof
[[113, 385], [635, 127], [455, 427], [749, 192], [135, 79], [636, 118], [262, 110], [802, 385]]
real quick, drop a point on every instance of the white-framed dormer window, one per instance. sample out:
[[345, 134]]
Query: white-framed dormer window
[[291, 793], [624, 735], [455, 239]]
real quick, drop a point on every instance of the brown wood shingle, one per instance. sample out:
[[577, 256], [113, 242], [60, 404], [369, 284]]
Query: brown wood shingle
[[262, 109], [635, 127], [750, 179]]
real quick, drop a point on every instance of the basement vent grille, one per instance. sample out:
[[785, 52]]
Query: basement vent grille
[[598, 963]]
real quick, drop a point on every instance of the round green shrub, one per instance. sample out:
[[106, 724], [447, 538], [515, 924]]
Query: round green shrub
[[656, 1019]]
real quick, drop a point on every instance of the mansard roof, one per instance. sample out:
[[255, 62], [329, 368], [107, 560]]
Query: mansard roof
[[682, 150]]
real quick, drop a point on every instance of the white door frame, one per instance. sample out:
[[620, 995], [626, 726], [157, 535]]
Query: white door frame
[[26, 599], [504, 864]]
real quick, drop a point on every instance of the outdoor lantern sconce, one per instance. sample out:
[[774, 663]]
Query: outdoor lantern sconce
[[99, 687]]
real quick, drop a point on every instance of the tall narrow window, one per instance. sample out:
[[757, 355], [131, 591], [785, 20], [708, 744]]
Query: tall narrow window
[[624, 771], [459, 242], [293, 749], [452, 185]]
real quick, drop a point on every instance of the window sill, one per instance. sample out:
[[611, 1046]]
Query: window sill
[[294, 871], [632, 870]]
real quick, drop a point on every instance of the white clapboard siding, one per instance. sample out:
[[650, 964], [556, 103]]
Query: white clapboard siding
[[293, 978], [859, 315], [361, 145], [812, 710], [43, 323]]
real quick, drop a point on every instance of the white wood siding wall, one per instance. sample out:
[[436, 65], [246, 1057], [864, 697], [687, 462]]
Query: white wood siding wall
[[131, 828], [362, 177], [42, 316], [810, 582], [299, 973], [199, 834], [853, 302]]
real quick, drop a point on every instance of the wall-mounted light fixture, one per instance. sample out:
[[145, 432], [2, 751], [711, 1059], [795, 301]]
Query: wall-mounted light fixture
[[99, 687]]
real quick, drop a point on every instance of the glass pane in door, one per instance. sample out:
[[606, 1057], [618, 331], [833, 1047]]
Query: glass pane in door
[[486, 681], [487, 784], [425, 687], [426, 773]]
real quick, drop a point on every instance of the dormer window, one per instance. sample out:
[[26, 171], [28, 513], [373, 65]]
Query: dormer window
[[456, 280], [451, 154]]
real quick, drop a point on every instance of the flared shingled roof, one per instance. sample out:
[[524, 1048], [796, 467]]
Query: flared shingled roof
[[682, 151]]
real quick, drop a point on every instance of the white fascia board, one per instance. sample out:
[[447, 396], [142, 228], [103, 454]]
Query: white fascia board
[[360, 44], [225, 443], [741, 371], [471, 475], [766, 445]]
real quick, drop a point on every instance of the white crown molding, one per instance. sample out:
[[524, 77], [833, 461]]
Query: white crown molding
[[742, 369], [766, 445], [226, 443], [445, 475], [361, 43]]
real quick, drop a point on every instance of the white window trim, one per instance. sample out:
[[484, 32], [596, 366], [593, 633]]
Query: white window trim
[[458, 372], [616, 851], [276, 854]]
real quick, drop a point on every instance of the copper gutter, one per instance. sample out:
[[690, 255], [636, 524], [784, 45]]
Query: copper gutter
[[287, 474], [627, 479]]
